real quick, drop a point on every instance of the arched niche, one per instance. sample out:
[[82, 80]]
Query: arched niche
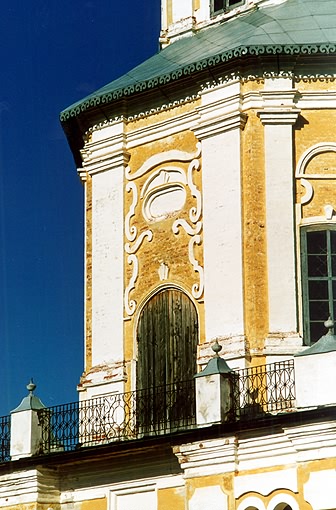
[[167, 338]]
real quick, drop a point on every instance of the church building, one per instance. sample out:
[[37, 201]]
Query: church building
[[209, 174]]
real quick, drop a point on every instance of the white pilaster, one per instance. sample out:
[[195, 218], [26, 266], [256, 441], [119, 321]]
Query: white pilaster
[[104, 157], [278, 117], [220, 133], [181, 9]]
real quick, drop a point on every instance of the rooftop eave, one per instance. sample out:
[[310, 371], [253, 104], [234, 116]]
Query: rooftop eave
[[100, 97]]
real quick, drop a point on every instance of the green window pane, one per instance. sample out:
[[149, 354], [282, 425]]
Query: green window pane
[[218, 5], [317, 329], [318, 289], [333, 264], [317, 242], [319, 310], [333, 241], [318, 280], [317, 265]]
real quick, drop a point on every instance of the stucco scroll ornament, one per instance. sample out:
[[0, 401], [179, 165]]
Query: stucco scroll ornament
[[161, 158], [130, 305], [131, 230], [132, 247], [193, 231], [132, 259], [195, 212]]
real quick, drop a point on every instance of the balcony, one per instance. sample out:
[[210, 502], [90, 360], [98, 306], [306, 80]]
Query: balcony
[[255, 393]]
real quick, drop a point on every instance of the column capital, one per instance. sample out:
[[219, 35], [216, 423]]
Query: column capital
[[105, 148], [236, 120], [287, 116]]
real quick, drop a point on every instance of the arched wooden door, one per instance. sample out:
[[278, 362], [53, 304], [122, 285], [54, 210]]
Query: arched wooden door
[[167, 338]]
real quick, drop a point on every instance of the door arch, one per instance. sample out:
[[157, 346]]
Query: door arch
[[167, 338]]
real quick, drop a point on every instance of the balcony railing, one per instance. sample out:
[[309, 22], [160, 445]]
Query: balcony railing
[[264, 389], [256, 393], [118, 417], [4, 438]]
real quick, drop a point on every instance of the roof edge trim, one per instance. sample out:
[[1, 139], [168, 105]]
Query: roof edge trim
[[95, 99]]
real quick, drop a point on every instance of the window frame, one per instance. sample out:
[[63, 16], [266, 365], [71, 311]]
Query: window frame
[[306, 278], [226, 7]]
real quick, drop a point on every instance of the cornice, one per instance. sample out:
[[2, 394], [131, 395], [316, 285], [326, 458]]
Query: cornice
[[105, 153], [166, 127], [208, 457], [108, 163], [236, 120], [313, 442], [187, 70]]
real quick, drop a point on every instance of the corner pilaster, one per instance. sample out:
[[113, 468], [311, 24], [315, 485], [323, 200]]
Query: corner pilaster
[[104, 159], [278, 116], [219, 130]]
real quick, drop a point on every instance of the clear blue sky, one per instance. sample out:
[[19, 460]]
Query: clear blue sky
[[52, 54]]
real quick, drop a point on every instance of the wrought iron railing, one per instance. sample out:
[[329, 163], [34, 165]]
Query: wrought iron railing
[[264, 389], [4, 438], [256, 392], [118, 417]]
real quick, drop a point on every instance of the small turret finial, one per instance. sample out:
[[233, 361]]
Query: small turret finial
[[329, 324], [31, 386], [216, 347]]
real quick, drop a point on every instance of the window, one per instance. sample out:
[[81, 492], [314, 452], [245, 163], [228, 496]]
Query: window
[[219, 6], [318, 256]]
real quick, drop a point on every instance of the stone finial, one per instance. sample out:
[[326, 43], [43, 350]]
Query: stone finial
[[216, 347], [329, 324], [327, 342], [31, 386], [31, 401]]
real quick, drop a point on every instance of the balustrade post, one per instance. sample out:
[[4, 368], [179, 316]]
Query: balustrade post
[[315, 375], [214, 391], [26, 432]]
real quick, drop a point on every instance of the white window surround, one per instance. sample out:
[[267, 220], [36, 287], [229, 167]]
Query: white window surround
[[221, 6], [142, 496], [307, 181], [250, 503], [281, 501]]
